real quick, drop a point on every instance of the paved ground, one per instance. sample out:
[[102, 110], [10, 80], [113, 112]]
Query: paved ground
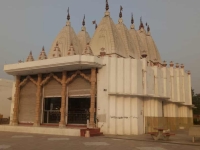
[[21, 141]]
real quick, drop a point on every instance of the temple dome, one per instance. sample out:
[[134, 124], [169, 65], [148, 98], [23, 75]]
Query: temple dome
[[107, 36], [142, 35], [84, 38], [152, 47], [136, 39], [64, 39], [148, 43], [130, 47]]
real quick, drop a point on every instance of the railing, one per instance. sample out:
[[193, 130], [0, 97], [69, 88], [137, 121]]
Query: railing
[[77, 117], [51, 116]]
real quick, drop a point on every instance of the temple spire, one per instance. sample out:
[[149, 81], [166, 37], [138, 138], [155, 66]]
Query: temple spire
[[83, 22], [148, 28], [107, 5], [68, 15], [107, 13], [30, 57], [132, 20], [42, 54], [120, 13], [141, 23]]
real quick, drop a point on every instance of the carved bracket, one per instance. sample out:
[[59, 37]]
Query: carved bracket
[[78, 73], [45, 81], [25, 81]]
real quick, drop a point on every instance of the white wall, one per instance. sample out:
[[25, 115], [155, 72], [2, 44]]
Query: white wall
[[121, 107], [119, 110], [5, 93]]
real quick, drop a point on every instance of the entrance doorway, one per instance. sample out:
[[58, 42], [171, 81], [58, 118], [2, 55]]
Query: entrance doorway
[[51, 109], [78, 110]]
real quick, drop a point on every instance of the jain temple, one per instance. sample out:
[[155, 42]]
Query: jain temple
[[115, 81]]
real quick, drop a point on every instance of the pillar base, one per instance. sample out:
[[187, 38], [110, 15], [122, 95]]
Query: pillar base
[[14, 124], [91, 125], [62, 125], [36, 124]]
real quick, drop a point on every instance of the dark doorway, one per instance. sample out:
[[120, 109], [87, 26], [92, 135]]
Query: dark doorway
[[52, 110], [78, 110]]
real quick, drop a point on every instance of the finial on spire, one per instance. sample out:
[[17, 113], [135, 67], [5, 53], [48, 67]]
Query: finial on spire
[[120, 13], [30, 52], [68, 15], [132, 20], [148, 28], [141, 23], [107, 5], [43, 48], [83, 23]]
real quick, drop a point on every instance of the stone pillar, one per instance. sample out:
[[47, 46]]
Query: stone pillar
[[63, 101], [16, 102], [93, 93], [38, 101]]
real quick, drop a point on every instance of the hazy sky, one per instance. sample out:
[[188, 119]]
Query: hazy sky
[[29, 24]]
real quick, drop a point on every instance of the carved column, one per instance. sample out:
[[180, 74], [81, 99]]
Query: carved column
[[16, 101], [93, 93], [63, 101], [38, 101]]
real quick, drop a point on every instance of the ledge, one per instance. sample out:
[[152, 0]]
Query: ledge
[[138, 95], [76, 62]]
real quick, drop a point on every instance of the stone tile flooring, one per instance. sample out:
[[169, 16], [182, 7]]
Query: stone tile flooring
[[21, 141]]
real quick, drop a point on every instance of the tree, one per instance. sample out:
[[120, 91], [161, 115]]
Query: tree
[[196, 111]]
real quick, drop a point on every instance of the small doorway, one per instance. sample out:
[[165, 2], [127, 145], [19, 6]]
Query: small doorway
[[78, 110], [51, 109]]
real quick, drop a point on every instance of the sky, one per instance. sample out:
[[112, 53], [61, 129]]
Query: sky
[[27, 25]]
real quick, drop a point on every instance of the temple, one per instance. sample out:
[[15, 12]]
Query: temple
[[115, 81]]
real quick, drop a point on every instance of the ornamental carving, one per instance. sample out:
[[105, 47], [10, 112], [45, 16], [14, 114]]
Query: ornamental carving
[[78, 73], [25, 81], [46, 80]]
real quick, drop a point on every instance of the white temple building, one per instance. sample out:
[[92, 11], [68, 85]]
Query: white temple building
[[116, 79]]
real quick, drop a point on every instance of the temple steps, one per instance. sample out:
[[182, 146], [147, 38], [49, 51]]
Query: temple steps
[[92, 131]]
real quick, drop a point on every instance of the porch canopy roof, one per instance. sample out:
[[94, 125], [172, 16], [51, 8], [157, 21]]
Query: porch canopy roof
[[68, 63]]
